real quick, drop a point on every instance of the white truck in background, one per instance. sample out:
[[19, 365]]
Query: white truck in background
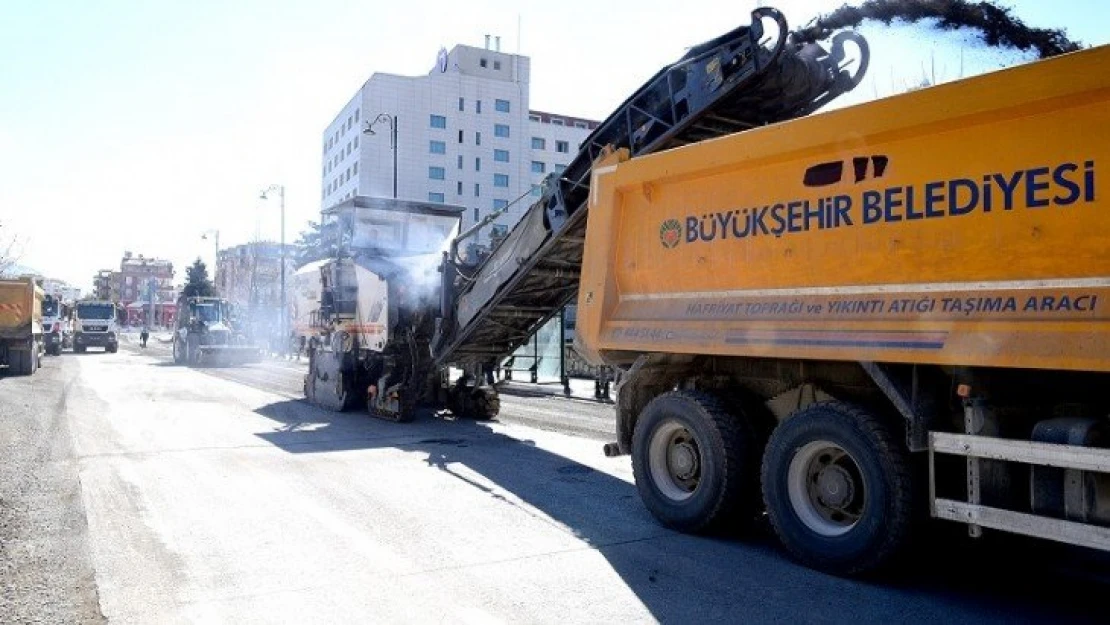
[[94, 325], [56, 333]]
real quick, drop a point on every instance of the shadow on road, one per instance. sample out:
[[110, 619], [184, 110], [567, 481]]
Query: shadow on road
[[682, 578]]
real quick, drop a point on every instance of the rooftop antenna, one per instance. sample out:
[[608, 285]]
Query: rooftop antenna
[[497, 43], [487, 42]]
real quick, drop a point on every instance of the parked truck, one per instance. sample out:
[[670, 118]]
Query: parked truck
[[21, 346], [55, 325], [853, 317], [95, 325]]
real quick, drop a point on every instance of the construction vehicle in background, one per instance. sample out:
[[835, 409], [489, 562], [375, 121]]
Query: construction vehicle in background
[[204, 334], [95, 325], [366, 316], [21, 346]]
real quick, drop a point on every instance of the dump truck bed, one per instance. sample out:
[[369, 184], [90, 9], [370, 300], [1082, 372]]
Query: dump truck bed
[[965, 224], [20, 309]]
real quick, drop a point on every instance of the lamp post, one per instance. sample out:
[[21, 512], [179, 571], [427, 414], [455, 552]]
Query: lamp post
[[280, 188], [386, 118]]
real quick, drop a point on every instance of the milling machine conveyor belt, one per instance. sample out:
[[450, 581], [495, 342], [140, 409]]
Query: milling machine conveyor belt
[[723, 86]]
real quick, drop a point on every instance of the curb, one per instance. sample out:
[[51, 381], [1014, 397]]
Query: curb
[[524, 392]]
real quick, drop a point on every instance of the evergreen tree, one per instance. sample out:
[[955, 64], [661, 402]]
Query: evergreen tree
[[197, 283], [310, 245]]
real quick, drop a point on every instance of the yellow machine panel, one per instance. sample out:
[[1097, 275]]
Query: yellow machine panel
[[965, 224]]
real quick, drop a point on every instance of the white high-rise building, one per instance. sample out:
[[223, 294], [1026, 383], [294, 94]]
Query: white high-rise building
[[465, 135]]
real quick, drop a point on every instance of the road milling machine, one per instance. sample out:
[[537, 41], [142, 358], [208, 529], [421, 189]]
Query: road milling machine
[[395, 305]]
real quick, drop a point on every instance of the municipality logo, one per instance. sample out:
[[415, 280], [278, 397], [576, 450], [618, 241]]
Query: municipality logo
[[670, 233]]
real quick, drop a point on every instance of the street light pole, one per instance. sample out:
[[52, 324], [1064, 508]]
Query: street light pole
[[392, 121], [280, 188], [393, 127]]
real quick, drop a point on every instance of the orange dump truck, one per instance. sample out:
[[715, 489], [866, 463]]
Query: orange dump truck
[[21, 345], [851, 318]]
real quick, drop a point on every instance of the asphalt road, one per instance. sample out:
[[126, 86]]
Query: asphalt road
[[216, 495]]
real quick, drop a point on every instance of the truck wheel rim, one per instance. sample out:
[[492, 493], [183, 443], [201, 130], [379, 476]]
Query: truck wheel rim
[[826, 488], [674, 459]]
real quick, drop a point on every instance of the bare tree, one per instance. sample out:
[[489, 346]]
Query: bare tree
[[10, 249]]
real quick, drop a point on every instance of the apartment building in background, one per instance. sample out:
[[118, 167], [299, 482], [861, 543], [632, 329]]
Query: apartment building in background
[[466, 135], [249, 275]]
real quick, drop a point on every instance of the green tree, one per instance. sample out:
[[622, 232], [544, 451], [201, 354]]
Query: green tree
[[197, 283], [310, 245]]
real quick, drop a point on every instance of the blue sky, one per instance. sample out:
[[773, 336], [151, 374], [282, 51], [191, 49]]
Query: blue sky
[[138, 125]]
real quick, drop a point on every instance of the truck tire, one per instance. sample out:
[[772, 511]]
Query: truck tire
[[487, 404], [838, 489], [696, 465], [24, 361], [178, 352]]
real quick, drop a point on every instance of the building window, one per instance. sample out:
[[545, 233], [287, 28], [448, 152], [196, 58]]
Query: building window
[[356, 169], [477, 163], [462, 104], [483, 62], [477, 190], [435, 197], [533, 118], [458, 188], [502, 106], [538, 143], [477, 106], [460, 161], [580, 125], [500, 180], [560, 169], [475, 214], [562, 146], [356, 141], [477, 138], [497, 65], [436, 173], [501, 130], [499, 204], [538, 167], [460, 136], [437, 147], [556, 121], [356, 114], [537, 190], [501, 156], [438, 121]]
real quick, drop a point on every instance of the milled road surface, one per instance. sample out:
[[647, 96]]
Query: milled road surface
[[222, 500]]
